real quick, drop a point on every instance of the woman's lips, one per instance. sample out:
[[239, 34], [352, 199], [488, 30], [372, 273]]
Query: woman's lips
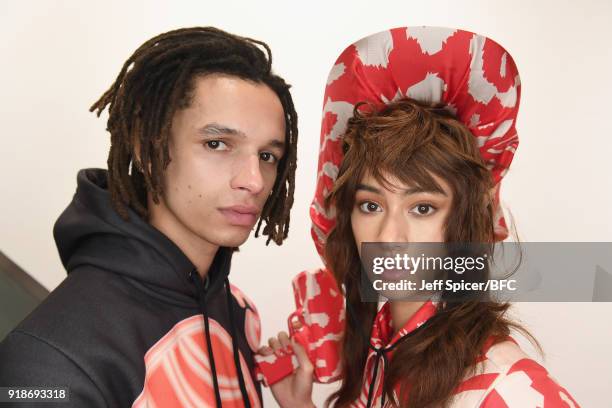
[[390, 275], [240, 215]]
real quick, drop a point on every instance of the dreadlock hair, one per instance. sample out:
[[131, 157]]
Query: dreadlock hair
[[155, 82]]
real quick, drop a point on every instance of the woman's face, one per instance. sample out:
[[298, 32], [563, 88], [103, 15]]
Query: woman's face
[[406, 213]]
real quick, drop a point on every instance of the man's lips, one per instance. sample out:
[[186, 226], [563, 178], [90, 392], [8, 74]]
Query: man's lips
[[243, 215]]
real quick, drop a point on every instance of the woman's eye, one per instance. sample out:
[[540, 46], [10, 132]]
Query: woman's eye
[[369, 207], [216, 145], [268, 157], [423, 209]]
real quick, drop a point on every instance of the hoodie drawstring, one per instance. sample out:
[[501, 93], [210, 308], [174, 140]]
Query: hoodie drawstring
[[243, 391], [195, 277], [201, 289]]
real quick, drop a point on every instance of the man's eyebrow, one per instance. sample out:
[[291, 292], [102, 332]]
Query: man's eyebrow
[[408, 191], [277, 144], [216, 129]]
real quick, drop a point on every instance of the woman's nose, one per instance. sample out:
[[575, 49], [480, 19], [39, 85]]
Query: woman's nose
[[393, 229]]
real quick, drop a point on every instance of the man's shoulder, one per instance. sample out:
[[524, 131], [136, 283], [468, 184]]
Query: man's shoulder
[[93, 330], [65, 324], [78, 296], [31, 361], [252, 321], [243, 300]]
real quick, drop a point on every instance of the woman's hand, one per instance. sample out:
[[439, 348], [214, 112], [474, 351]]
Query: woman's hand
[[295, 390]]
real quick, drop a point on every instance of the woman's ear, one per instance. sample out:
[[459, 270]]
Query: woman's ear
[[491, 197]]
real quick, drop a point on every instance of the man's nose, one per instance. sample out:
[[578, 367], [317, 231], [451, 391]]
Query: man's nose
[[247, 175]]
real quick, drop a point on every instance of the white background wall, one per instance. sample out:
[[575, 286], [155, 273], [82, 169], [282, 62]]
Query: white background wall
[[58, 57]]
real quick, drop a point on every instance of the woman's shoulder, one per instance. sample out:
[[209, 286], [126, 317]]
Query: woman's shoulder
[[505, 376]]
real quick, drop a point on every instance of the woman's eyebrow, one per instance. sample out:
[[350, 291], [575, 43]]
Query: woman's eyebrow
[[366, 187], [418, 189], [408, 191]]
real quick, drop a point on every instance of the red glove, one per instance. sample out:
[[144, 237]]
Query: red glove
[[320, 310]]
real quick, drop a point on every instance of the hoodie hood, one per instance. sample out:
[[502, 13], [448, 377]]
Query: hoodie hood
[[90, 232]]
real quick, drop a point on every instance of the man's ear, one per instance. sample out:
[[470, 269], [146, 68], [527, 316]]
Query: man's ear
[[138, 164], [136, 154]]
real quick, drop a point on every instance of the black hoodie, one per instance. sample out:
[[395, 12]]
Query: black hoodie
[[127, 327]]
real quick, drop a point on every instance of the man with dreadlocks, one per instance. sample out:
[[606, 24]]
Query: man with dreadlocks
[[203, 146]]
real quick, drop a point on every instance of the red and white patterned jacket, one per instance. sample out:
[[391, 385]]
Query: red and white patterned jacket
[[504, 375]]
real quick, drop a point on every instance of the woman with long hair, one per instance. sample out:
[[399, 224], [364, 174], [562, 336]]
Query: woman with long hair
[[418, 131]]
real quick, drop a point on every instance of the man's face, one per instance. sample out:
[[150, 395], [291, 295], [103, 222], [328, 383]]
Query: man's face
[[224, 150]]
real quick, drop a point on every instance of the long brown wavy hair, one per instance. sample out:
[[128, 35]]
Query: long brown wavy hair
[[411, 141]]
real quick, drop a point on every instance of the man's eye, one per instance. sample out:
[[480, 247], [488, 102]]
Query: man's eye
[[268, 157], [216, 145], [369, 207], [423, 209]]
